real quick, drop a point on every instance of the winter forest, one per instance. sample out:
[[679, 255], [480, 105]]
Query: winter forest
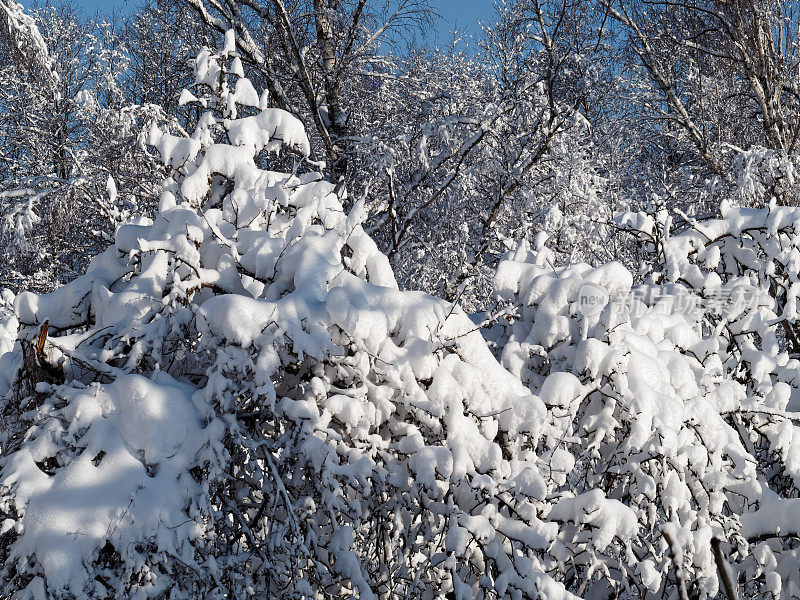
[[297, 303]]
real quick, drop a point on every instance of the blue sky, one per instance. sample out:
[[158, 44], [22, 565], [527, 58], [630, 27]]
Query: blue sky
[[462, 14]]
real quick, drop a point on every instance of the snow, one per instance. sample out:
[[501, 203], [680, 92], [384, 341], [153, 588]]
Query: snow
[[610, 517], [636, 383], [244, 398], [148, 433], [255, 133], [265, 303], [237, 318], [175, 151], [68, 305]]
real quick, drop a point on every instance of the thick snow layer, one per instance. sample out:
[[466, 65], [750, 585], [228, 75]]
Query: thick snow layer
[[175, 151], [126, 481], [643, 412], [256, 133], [250, 407], [318, 405], [609, 518]]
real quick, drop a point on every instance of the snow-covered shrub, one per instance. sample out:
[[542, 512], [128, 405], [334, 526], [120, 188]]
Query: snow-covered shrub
[[746, 261], [235, 400], [665, 403]]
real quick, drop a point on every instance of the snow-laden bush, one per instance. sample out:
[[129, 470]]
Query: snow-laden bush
[[744, 264], [235, 400], [677, 407]]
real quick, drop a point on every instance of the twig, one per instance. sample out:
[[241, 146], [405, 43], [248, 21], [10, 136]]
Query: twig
[[679, 576], [722, 567]]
